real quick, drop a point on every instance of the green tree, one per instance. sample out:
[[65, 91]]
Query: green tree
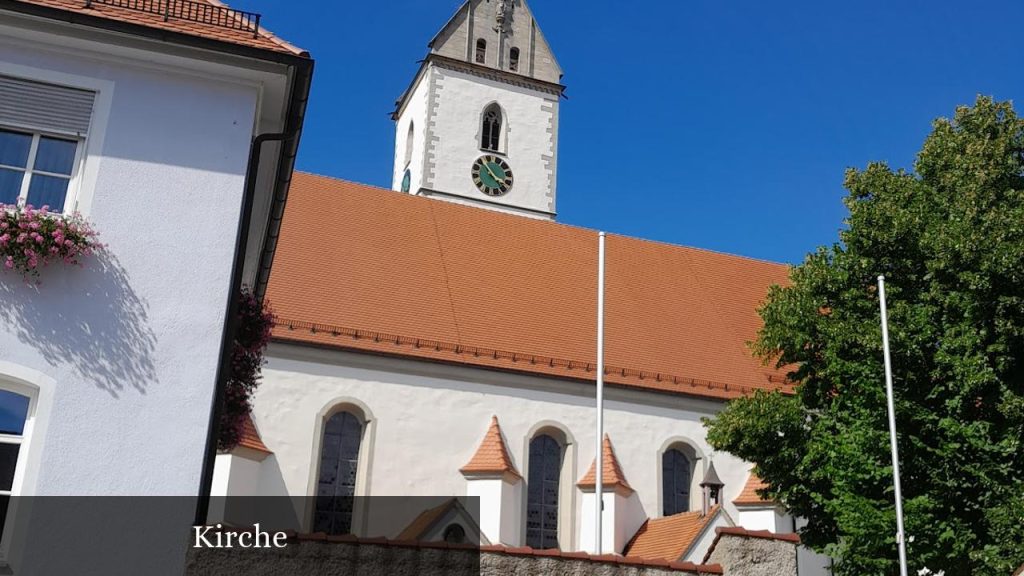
[[949, 238]]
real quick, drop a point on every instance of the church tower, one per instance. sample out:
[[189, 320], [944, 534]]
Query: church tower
[[479, 124]]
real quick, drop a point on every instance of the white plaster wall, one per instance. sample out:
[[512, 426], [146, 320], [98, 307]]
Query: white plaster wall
[[131, 340], [529, 138], [759, 519], [619, 523], [700, 547], [429, 419], [490, 492], [415, 112]]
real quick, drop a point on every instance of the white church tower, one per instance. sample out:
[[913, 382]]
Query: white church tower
[[479, 124]]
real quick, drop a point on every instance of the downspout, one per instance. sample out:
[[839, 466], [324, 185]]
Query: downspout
[[231, 319], [293, 128]]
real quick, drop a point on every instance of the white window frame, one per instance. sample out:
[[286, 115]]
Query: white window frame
[[28, 171], [90, 149], [39, 388]]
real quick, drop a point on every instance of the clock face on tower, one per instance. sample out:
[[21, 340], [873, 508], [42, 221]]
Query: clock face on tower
[[492, 175]]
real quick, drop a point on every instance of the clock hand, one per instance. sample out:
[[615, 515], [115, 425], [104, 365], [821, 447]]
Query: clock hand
[[491, 172]]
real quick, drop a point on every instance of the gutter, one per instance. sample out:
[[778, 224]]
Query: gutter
[[301, 81]]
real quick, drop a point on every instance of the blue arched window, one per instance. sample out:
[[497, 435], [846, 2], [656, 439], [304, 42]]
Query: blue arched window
[[542, 492], [339, 462], [676, 473]]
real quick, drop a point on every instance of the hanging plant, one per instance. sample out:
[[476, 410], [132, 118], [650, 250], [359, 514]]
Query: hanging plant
[[255, 321], [31, 239]]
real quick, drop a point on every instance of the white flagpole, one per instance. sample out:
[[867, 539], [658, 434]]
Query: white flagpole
[[598, 459], [900, 534]]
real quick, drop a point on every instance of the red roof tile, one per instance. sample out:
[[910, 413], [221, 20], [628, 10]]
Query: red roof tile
[[250, 437], [750, 496], [419, 526], [611, 472], [492, 455], [669, 538], [264, 40], [362, 268]]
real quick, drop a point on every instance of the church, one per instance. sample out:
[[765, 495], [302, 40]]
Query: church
[[438, 338]]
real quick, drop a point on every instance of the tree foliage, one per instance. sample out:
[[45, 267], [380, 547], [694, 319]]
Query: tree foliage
[[949, 237]]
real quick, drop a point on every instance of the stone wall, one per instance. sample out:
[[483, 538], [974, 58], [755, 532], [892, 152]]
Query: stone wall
[[309, 557], [745, 553]]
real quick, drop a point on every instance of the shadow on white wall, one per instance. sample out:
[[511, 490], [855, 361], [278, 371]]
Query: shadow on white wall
[[89, 318]]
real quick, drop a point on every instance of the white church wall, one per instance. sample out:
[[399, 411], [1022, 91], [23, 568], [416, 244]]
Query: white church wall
[[429, 419], [620, 521], [499, 508], [415, 113], [529, 140], [132, 339], [762, 519]]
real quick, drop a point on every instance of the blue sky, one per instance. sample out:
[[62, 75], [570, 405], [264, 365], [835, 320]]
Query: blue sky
[[712, 123]]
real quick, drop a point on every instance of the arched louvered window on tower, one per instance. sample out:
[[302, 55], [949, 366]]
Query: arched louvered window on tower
[[513, 59], [481, 51], [676, 473], [490, 138], [408, 143], [542, 492], [339, 463]]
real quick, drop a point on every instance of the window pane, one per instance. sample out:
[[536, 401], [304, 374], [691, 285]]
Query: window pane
[[14, 148], [10, 185], [13, 412], [8, 461], [57, 156], [47, 191]]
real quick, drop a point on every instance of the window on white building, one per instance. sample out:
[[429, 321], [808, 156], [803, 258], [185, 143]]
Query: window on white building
[[491, 130], [43, 128], [513, 59], [542, 492], [36, 169], [676, 474], [339, 464], [481, 51], [14, 416]]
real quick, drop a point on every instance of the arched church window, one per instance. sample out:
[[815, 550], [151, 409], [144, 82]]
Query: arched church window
[[408, 144], [513, 59], [491, 133], [339, 462], [542, 492], [676, 473], [481, 51]]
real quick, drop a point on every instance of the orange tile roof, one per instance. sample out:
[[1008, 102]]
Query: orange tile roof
[[750, 496], [492, 455], [250, 437], [265, 40], [367, 269], [669, 538], [419, 526], [611, 472]]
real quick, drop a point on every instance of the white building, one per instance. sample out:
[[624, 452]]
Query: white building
[[441, 341], [144, 122]]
